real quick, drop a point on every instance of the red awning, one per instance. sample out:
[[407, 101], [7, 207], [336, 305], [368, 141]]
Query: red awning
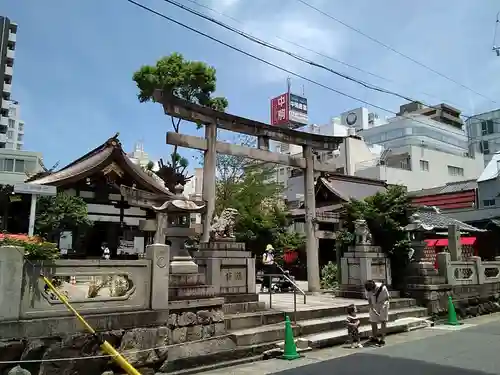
[[430, 243], [444, 241]]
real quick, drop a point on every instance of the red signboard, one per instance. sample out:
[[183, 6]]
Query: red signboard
[[280, 108]]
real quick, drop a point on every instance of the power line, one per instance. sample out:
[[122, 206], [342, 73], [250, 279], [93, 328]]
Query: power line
[[315, 52], [288, 53], [248, 54], [394, 50], [281, 50]]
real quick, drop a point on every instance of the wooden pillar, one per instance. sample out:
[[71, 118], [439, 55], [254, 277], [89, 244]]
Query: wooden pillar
[[313, 277], [209, 166]]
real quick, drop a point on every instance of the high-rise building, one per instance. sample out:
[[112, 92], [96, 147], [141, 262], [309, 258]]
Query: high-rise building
[[11, 128], [8, 32]]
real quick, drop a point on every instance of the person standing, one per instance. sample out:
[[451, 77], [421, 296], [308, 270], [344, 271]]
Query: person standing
[[106, 254], [378, 301], [268, 265], [353, 322]]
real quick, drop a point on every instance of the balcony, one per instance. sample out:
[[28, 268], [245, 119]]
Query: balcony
[[7, 88], [9, 71], [12, 37], [4, 121], [3, 137], [5, 104], [10, 54]]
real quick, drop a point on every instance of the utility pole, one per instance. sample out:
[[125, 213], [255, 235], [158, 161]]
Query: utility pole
[[496, 48]]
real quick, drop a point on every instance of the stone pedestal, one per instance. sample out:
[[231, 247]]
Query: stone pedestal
[[229, 268], [361, 263], [159, 254]]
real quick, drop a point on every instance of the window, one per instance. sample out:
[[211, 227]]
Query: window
[[455, 171], [487, 127], [21, 126], [424, 165], [12, 124], [9, 165], [19, 166], [20, 137], [12, 112], [488, 202], [9, 145], [485, 147], [10, 134], [19, 146]]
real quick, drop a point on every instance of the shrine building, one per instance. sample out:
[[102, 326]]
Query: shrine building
[[96, 177]]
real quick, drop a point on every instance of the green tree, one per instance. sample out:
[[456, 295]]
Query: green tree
[[61, 213], [385, 213], [193, 81]]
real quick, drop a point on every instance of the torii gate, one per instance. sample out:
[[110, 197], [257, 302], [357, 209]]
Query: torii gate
[[212, 120]]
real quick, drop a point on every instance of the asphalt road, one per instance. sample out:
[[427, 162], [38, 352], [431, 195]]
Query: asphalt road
[[469, 351]]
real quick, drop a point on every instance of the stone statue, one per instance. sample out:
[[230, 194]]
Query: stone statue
[[362, 232], [223, 225]]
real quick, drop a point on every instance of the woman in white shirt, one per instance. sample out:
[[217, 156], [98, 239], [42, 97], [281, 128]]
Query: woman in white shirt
[[378, 301], [268, 265]]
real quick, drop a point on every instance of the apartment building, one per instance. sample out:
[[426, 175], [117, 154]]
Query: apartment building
[[8, 32]]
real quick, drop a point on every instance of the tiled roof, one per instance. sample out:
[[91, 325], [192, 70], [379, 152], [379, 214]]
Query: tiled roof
[[97, 159], [451, 187], [431, 217], [348, 189]]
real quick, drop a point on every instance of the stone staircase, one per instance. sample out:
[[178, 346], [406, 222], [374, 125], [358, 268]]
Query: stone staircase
[[315, 327], [254, 330]]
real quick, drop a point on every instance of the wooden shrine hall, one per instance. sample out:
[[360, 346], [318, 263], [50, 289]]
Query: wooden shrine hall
[[96, 177]]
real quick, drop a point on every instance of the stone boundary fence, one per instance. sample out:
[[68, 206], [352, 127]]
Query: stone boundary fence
[[472, 271], [91, 286]]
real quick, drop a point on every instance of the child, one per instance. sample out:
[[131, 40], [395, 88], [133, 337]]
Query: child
[[353, 327]]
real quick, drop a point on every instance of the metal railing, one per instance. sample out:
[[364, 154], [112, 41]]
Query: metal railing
[[295, 288]]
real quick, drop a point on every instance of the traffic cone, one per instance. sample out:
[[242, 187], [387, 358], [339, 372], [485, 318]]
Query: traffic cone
[[452, 314], [290, 351]]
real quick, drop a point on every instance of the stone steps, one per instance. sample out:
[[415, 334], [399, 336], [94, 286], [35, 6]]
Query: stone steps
[[264, 317], [339, 336], [276, 332]]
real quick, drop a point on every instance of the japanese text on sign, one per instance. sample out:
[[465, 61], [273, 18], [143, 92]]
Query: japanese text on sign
[[279, 110]]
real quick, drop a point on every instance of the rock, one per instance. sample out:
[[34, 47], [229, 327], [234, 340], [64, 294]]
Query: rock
[[172, 320], [194, 333], [204, 317], [108, 373], [187, 319], [179, 335], [10, 351], [136, 346], [208, 331], [33, 351], [79, 345], [18, 370], [146, 371], [217, 316]]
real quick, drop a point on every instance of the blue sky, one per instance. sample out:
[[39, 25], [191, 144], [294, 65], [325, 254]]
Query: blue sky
[[75, 60]]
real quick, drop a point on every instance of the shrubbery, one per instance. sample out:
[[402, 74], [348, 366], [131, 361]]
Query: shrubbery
[[35, 248], [329, 276]]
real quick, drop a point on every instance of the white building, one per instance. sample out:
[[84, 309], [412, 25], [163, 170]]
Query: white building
[[16, 166], [15, 129], [484, 134]]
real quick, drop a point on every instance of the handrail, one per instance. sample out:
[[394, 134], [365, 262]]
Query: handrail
[[295, 288]]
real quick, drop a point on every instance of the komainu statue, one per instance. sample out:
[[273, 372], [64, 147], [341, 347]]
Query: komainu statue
[[362, 232], [223, 225]]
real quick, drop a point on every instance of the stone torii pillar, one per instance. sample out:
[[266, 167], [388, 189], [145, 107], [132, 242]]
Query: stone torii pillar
[[209, 169], [313, 276]]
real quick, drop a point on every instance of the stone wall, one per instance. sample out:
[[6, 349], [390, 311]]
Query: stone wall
[[150, 349]]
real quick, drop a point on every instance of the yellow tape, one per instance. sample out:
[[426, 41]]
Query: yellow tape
[[105, 346]]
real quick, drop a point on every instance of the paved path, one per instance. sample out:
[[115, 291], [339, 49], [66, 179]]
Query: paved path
[[284, 301], [468, 350]]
